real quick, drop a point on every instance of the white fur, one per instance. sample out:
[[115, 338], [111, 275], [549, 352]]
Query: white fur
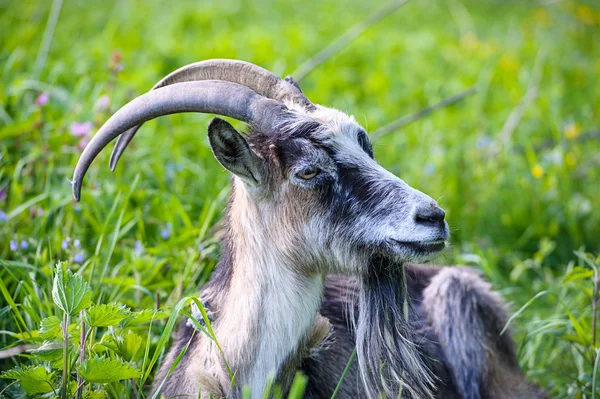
[[271, 307]]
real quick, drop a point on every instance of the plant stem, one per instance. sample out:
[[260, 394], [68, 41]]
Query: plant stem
[[65, 355], [81, 356], [40, 60], [410, 118], [338, 44], [594, 308], [339, 384]]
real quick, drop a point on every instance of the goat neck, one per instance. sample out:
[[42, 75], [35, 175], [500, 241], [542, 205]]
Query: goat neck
[[264, 305]]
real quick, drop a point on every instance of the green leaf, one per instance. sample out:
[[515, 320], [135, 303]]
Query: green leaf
[[95, 394], [28, 336], [107, 342], [50, 351], [106, 315], [579, 329], [574, 338], [70, 292], [50, 328], [33, 380], [129, 345], [145, 316], [578, 273], [126, 346], [103, 370]]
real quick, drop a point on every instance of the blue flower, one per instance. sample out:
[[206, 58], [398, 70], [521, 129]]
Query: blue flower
[[14, 245], [24, 244], [64, 244], [78, 258], [484, 142], [429, 169], [3, 216], [139, 248], [77, 243], [165, 233]]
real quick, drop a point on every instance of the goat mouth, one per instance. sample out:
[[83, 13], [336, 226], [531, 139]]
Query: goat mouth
[[420, 247]]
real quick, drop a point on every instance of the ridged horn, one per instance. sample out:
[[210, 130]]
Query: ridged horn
[[256, 78], [208, 96]]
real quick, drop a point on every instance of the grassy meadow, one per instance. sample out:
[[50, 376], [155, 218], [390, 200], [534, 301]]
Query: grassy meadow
[[516, 166]]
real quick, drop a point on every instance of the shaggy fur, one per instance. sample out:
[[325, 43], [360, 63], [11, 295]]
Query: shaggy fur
[[465, 357], [458, 371]]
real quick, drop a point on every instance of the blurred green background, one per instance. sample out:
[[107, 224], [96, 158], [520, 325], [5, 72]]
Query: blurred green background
[[516, 166]]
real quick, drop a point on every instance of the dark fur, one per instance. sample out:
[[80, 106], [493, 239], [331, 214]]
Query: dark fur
[[492, 377], [460, 371]]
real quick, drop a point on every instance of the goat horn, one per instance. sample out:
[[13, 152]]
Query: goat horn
[[256, 78], [209, 96]]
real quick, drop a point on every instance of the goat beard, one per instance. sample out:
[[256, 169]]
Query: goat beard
[[391, 363]]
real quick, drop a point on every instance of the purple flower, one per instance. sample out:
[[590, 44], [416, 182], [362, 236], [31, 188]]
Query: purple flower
[[77, 243], [139, 248], [64, 244], [82, 143], [2, 194], [165, 233], [14, 245], [42, 99], [24, 244], [3, 216], [78, 258], [103, 103], [81, 129], [36, 212]]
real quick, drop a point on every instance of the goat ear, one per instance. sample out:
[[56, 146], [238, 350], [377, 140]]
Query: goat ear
[[232, 151], [292, 81]]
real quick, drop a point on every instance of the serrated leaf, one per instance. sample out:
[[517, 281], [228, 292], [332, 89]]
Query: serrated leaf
[[104, 370], [70, 292], [106, 315], [107, 342], [129, 345], [126, 346], [33, 380], [50, 328], [95, 394]]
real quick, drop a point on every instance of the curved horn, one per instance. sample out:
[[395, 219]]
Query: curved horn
[[209, 96], [256, 78]]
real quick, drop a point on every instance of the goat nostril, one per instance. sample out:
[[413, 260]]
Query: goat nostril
[[430, 215]]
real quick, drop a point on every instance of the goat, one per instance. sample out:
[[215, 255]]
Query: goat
[[309, 201]]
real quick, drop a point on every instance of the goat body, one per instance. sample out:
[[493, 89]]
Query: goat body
[[455, 321], [309, 200]]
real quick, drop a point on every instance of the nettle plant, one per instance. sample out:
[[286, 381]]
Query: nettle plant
[[91, 350]]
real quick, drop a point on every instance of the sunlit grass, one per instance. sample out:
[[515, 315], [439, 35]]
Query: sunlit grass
[[142, 236]]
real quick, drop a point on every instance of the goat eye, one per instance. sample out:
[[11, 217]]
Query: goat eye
[[308, 173]]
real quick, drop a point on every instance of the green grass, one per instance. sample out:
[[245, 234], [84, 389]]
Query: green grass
[[519, 201]]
